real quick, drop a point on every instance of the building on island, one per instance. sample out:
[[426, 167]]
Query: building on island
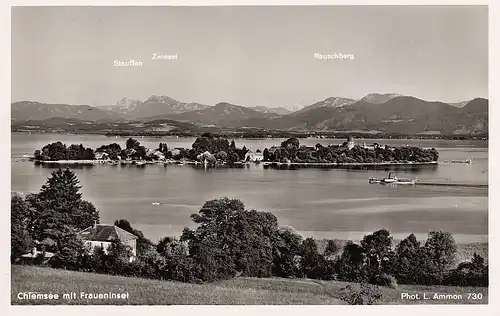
[[369, 147], [101, 156], [174, 152], [350, 142], [103, 235], [254, 156]]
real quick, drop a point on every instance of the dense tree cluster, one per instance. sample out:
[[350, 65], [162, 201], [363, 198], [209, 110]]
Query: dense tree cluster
[[113, 150], [20, 239], [59, 151], [51, 218], [207, 147], [211, 149], [218, 147], [134, 150], [291, 151]]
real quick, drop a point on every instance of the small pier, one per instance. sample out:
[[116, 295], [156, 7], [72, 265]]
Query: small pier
[[443, 184]]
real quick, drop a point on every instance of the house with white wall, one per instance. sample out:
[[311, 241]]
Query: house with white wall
[[104, 235]]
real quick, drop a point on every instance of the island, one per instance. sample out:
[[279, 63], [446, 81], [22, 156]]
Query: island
[[212, 149]]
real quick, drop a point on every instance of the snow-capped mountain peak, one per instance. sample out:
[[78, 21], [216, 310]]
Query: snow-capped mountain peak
[[378, 98], [336, 102], [162, 99], [127, 104]]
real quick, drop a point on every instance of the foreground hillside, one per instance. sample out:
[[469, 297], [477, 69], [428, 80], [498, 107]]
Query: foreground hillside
[[235, 291]]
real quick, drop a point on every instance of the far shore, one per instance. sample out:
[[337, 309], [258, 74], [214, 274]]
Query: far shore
[[94, 162], [272, 135]]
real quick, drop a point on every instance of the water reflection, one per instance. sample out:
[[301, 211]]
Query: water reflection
[[406, 168]]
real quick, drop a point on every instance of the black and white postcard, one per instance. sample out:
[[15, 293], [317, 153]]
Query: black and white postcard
[[249, 155]]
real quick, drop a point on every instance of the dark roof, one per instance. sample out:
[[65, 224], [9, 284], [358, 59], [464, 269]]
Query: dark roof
[[105, 232]]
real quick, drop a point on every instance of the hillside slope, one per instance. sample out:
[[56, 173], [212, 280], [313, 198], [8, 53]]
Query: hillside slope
[[154, 106], [399, 114], [223, 113], [27, 110]]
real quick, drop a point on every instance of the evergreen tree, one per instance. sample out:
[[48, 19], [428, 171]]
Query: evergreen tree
[[266, 154], [59, 205]]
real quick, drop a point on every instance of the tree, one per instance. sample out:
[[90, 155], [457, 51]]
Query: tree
[[222, 155], [58, 205], [291, 142], [179, 266], [113, 150], [266, 154], [70, 250], [20, 240], [210, 143], [59, 151], [435, 154], [439, 249], [118, 257], [332, 248], [38, 155], [163, 148], [312, 262], [139, 153], [379, 254], [132, 143], [231, 240], [287, 253], [409, 263], [85, 216], [351, 264]]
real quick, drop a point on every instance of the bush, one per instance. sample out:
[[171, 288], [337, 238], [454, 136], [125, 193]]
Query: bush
[[366, 295], [473, 273], [387, 280]]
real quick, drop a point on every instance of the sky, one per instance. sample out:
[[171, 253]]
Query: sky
[[250, 56]]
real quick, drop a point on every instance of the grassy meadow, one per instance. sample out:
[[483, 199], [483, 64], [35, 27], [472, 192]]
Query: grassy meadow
[[251, 291]]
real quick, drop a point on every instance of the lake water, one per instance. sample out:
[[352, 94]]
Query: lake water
[[322, 203]]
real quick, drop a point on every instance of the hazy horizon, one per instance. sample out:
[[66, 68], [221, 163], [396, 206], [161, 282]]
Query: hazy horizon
[[250, 56]]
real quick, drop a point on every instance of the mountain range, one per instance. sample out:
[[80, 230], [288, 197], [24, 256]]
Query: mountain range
[[390, 113]]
